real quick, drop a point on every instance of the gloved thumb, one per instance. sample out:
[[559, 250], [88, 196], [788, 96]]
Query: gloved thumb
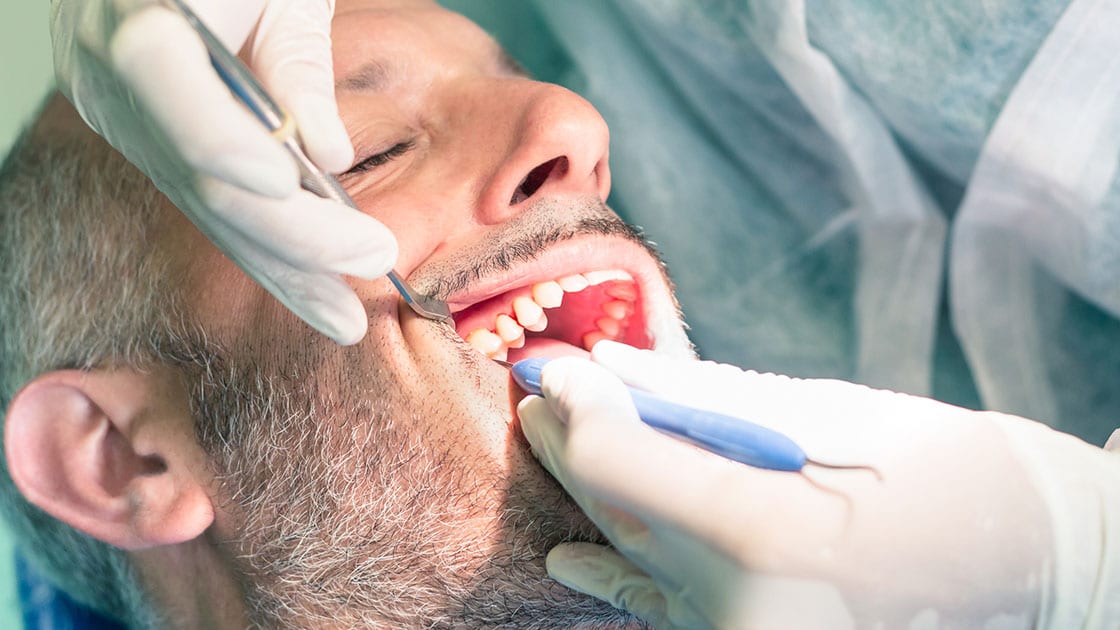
[[605, 574]]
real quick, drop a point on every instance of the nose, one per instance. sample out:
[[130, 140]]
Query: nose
[[558, 145]]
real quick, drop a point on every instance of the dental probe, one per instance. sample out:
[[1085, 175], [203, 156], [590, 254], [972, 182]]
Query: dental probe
[[251, 93], [733, 438]]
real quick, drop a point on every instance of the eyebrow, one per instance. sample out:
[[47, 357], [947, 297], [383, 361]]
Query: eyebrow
[[374, 75], [371, 77]]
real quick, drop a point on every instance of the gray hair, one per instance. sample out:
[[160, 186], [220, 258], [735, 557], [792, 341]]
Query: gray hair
[[81, 286]]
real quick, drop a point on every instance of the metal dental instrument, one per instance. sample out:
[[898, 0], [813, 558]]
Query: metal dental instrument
[[734, 438], [249, 91]]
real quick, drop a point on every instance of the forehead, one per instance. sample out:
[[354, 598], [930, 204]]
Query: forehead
[[378, 44]]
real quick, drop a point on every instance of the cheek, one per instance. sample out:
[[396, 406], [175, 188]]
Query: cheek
[[227, 303], [467, 404], [380, 300], [422, 213]]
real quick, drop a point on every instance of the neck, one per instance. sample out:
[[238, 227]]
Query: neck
[[192, 585]]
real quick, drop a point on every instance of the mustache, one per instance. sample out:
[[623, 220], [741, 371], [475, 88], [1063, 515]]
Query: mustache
[[521, 240]]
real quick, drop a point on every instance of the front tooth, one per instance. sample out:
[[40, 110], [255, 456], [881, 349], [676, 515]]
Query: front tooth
[[618, 309], [485, 341], [573, 283], [529, 314], [512, 334], [548, 294], [599, 277]]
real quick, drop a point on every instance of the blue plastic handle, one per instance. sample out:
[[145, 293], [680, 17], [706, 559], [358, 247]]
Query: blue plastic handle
[[734, 438]]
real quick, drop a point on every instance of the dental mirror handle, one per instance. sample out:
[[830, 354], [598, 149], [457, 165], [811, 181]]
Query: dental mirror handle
[[733, 438], [245, 87]]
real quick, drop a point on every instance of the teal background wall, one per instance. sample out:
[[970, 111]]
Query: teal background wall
[[25, 77], [25, 64]]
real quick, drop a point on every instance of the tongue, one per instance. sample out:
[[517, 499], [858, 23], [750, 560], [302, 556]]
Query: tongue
[[546, 347]]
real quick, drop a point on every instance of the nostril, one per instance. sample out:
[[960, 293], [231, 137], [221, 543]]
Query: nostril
[[537, 177]]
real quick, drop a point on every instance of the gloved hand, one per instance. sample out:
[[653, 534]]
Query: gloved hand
[[971, 519], [141, 77]]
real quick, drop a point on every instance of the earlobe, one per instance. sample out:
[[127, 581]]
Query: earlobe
[[73, 443]]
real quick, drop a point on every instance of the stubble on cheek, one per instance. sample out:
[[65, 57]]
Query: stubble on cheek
[[365, 498]]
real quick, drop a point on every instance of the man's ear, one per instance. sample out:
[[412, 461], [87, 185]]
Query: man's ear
[[112, 454]]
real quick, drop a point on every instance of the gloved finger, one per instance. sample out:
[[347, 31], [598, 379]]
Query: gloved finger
[[751, 601], [605, 574], [304, 231], [167, 67], [325, 301], [668, 377], [804, 410], [230, 22], [763, 399], [693, 382], [292, 55]]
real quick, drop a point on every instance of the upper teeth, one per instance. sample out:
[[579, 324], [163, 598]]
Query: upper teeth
[[508, 329], [573, 283], [599, 277], [548, 294]]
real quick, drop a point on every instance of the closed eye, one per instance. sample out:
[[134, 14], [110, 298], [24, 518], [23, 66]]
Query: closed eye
[[380, 159]]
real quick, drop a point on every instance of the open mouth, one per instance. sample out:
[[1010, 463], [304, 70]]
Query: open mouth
[[562, 316]]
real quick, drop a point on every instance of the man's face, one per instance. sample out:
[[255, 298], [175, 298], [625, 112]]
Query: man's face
[[396, 486]]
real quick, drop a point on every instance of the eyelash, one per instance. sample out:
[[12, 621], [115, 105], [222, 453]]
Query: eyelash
[[380, 159]]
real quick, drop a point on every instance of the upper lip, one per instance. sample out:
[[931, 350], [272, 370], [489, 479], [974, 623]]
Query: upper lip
[[576, 255]]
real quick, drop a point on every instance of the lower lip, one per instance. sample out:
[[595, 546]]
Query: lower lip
[[545, 347]]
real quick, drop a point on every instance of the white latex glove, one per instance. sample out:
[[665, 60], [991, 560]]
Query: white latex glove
[[979, 520], [140, 77]]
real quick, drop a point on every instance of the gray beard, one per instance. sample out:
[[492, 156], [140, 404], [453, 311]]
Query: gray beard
[[350, 517]]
